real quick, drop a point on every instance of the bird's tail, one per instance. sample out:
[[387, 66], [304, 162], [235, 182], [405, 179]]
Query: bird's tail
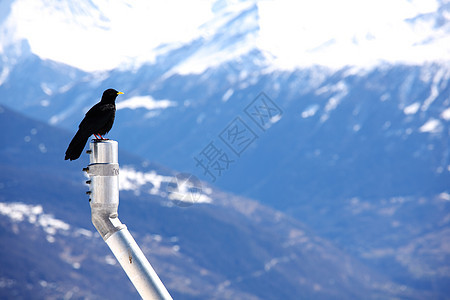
[[76, 146]]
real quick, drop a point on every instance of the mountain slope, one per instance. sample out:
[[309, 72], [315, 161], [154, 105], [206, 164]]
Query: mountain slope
[[231, 248]]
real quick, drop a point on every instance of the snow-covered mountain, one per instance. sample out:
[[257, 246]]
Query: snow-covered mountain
[[346, 114], [103, 35]]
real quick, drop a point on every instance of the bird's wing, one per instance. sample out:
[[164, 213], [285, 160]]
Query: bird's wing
[[97, 117]]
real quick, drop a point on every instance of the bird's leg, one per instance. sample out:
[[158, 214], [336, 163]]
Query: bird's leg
[[102, 138], [96, 137]]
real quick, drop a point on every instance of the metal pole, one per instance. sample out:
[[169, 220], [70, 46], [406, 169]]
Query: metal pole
[[103, 171]]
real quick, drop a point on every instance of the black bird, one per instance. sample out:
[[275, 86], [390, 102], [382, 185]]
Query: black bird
[[97, 121]]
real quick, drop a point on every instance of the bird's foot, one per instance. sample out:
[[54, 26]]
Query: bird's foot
[[98, 137]]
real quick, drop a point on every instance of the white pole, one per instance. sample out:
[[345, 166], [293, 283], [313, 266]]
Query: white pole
[[103, 171]]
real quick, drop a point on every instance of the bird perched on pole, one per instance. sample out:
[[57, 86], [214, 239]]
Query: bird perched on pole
[[98, 121]]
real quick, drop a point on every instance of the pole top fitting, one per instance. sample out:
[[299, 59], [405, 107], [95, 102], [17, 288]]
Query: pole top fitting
[[104, 151]]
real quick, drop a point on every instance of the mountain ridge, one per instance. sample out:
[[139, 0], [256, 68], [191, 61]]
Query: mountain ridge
[[307, 42]]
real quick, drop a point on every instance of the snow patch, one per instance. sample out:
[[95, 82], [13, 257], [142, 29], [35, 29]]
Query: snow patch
[[153, 183], [4, 75], [310, 111], [356, 127], [385, 97], [411, 109], [110, 260], [84, 232], [446, 114], [45, 103], [340, 90], [444, 196], [275, 119], [434, 93], [432, 126], [146, 102], [331, 105], [130, 179], [54, 120], [227, 95], [34, 214], [46, 89]]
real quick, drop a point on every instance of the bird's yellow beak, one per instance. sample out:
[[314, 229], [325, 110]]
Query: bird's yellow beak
[[118, 93]]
